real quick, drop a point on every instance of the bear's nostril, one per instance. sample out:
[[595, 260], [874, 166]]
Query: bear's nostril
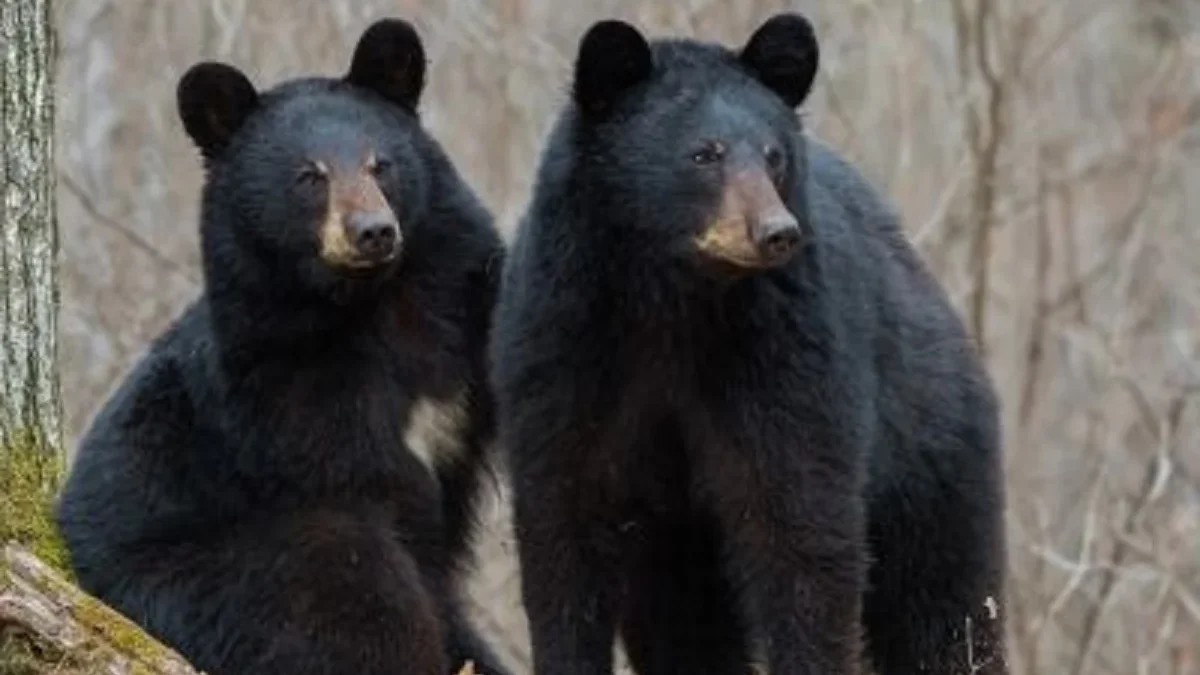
[[378, 234], [377, 239], [374, 235], [782, 242], [780, 239]]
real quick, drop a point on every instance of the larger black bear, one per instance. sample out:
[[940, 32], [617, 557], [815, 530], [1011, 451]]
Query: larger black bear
[[743, 418], [283, 484]]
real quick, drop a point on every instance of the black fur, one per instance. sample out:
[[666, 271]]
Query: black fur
[[214, 100], [246, 494], [390, 60], [613, 57], [713, 464]]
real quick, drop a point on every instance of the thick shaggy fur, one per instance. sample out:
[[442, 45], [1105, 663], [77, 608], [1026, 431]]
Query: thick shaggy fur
[[254, 493], [718, 462]]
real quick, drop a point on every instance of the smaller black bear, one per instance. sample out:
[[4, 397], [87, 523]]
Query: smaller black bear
[[743, 419], [284, 483]]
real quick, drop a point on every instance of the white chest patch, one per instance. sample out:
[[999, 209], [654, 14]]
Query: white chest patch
[[435, 428]]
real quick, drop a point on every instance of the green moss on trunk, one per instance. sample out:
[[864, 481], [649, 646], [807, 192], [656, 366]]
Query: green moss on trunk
[[29, 479], [92, 637], [118, 632], [21, 654]]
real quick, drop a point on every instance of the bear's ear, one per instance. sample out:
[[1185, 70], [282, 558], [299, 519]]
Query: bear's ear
[[214, 100], [613, 56], [390, 60], [783, 55]]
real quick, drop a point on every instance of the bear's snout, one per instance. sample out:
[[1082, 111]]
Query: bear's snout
[[360, 229], [753, 228]]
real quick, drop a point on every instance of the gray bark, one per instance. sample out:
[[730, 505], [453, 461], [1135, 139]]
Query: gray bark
[[30, 408], [46, 624]]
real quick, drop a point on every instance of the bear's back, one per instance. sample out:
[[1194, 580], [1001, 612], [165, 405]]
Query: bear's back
[[928, 386]]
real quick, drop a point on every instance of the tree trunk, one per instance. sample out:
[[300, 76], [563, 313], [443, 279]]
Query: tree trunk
[[46, 624], [30, 435]]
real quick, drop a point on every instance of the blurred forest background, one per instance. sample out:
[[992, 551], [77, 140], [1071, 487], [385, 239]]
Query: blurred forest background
[[1044, 153]]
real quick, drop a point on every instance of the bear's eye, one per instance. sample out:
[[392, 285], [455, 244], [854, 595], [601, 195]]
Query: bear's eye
[[380, 166], [774, 158], [711, 153], [310, 176]]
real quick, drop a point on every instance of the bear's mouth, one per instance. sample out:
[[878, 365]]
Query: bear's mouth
[[361, 268]]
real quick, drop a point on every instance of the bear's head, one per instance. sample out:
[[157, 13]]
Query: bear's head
[[696, 144], [317, 177]]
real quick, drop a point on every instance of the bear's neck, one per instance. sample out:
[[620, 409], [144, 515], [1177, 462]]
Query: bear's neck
[[255, 328], [639, 273], [645, 292]]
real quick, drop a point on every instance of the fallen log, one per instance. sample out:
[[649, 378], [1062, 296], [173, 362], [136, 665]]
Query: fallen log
[[48, 625]]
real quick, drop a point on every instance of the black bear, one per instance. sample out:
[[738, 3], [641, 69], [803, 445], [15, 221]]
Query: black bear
[[742, 419], [284, 482]]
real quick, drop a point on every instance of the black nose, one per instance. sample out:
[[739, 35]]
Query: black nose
[[778, 237], [375, 234]]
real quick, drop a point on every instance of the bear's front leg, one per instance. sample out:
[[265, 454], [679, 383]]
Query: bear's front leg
[[567, 508], [786, 490], [569, 581]]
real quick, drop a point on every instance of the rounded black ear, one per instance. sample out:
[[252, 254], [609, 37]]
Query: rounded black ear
[[390, 60], [613, 56], [783, 55], [214, 100]]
